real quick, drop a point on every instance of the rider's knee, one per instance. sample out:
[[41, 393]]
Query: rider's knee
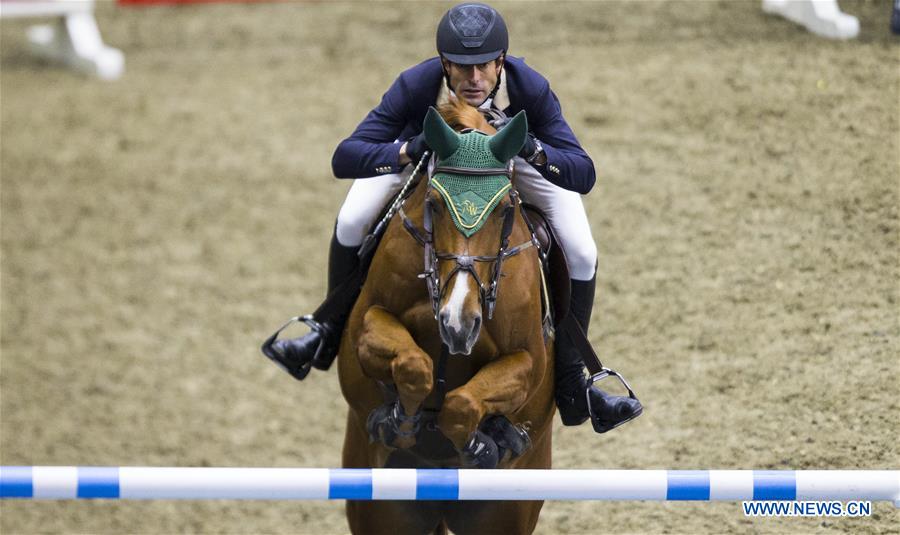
[[582, 259], [351, 227]]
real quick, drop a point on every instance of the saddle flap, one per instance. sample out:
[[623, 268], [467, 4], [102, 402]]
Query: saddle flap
[[556, 269]]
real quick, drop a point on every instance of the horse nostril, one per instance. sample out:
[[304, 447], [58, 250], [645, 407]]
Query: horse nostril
[[443, 315], [476, 325]]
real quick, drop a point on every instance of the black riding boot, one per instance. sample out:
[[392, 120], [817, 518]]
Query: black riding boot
[[320, 346], [573, 388]]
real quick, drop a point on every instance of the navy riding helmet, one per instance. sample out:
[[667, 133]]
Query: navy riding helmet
[[472, 33]]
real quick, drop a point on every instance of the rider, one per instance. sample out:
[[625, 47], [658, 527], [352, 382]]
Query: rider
[[552, 170]]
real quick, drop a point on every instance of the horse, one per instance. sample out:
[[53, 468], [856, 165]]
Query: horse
[[455, 371]]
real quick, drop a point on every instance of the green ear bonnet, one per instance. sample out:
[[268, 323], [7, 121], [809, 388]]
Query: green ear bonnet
[[470, 198]]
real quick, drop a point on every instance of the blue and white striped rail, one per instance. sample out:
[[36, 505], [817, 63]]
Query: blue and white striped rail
[[142, 483]]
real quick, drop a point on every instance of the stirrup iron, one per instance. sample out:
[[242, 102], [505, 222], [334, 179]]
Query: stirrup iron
[[298, 372], [603, 427]]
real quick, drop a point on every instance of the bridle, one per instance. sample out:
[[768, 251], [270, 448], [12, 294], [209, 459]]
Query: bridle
[[487, 294]]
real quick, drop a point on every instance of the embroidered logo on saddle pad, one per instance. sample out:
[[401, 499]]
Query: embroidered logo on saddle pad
[[471, 173]]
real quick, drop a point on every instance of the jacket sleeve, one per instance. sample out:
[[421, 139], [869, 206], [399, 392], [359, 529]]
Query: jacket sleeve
[[568, 165], [371, 149]]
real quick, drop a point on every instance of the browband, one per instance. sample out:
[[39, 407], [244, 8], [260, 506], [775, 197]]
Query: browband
[[491, 171]]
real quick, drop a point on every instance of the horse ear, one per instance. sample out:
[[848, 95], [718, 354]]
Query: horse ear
[[439, 135], [508, 142]]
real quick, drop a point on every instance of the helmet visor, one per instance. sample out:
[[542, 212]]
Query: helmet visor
[[475, 59]]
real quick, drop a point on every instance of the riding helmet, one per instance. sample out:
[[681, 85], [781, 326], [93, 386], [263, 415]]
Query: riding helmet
[[472, 33]]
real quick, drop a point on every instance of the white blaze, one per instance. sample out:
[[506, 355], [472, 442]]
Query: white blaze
[[454, 306]]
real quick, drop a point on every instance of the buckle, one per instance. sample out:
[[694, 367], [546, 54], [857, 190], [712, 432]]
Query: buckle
[[507, 435], [603, 427], [384, 424], [480, 452]]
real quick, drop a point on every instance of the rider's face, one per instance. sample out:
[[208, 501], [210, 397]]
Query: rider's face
[[473, 83]]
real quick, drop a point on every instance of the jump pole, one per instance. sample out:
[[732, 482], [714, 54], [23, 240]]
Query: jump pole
[[158, 483]]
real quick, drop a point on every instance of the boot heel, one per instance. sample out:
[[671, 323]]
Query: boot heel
[[570, 419], [569, 411]]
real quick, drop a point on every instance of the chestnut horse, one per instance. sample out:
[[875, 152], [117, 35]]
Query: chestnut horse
[[481, 301]]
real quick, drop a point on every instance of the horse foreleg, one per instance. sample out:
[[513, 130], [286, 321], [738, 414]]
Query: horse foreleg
[[388, 353], [500, 387]]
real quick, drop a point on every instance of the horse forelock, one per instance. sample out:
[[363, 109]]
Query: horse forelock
[[459, 114]]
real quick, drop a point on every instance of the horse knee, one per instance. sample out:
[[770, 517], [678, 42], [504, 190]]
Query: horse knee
[[412, 373], [460, 416]]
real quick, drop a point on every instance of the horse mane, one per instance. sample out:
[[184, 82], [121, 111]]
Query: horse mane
[[459, 114]]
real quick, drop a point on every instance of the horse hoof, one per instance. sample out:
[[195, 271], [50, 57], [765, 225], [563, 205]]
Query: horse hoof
[[388, 425], [480, 452]]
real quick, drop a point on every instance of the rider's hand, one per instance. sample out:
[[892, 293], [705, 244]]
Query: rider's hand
[[533, 151], [529, 147], [416, 146]]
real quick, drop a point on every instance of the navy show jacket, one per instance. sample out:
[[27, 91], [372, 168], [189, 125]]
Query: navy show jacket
[[371, 149]]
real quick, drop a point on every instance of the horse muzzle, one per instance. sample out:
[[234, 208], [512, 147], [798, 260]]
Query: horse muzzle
[[459, 334]]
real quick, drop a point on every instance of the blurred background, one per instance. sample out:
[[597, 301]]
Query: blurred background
[[156, 228]]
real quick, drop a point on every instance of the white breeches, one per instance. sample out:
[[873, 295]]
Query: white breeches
[[563, 208]]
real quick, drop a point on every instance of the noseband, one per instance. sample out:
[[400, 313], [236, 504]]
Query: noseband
[[487, 293]]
